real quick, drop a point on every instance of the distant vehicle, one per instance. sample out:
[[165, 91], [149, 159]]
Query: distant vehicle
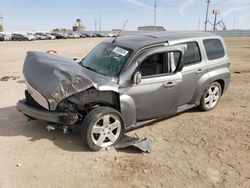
[[100, 35], [70, 36], [2, 37], [88, 35], [73, 36], [49, 36], [58, 35], [126, 82], [111, 35], [66, 35], [82, 35], [40, 36], [45, 36], [30, 36], [22, 37], [5, 37]]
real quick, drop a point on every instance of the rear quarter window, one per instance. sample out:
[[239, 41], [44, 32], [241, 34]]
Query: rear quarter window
[[214, 49]]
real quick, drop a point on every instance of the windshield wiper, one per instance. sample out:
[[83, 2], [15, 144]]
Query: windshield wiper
[[89, 68]]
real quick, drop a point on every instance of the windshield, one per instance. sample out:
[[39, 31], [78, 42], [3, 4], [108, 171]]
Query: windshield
[[106, 59]]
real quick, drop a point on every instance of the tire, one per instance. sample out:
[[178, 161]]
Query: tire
[[211, 97], [102, 127]]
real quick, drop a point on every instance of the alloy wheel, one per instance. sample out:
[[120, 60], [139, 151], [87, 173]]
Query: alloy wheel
[[212, 96], [106, 130]]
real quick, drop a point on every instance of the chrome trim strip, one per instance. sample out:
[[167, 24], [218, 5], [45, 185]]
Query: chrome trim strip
[[37, 96]]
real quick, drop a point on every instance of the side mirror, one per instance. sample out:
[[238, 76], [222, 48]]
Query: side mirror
[[137, 77]]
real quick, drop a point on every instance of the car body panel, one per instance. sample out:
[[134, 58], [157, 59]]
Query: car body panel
[[148, 96], [57, 78]]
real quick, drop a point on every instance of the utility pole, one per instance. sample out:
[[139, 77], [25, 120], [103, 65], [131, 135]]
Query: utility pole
[[199, 23], [208, 1], [234, 24], [215, 12], [1, 20], [155, 6], [1, 23], [100, 22], [95, 25]]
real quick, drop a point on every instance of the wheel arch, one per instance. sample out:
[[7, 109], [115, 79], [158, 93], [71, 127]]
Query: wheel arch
[[222, 84], [201, 86], [93, 97], [222, 76]]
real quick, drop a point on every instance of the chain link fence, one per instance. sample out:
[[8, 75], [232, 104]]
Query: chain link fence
[[232, 33]]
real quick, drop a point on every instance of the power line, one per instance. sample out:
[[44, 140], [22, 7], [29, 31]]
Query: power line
[[100, 22]]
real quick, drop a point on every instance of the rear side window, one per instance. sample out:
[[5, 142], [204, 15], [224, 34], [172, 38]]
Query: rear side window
[[192, 54], [214, 48]]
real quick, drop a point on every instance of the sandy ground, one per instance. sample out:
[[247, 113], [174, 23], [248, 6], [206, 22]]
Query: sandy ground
[[194, 149]]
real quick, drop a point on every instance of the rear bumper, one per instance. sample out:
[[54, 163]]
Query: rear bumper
[[53, 117]]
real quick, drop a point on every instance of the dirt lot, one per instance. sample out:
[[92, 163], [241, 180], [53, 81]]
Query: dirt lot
[[194, 149]]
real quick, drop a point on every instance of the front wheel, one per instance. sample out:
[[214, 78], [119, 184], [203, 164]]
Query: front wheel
[[102, 127], [211, 97]]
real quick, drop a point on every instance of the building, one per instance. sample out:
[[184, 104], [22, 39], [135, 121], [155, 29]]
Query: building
[[1, 28], [116, 30], [151, 28], [79, 27]]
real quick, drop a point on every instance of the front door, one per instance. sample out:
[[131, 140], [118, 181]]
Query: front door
[[158, 92], [157, 96]]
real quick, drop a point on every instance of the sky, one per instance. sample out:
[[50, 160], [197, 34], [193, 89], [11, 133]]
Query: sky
[[45, 15]]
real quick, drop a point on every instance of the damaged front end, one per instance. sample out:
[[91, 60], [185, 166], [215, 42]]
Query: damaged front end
[[61, 91], [33, 110], [51, 78]]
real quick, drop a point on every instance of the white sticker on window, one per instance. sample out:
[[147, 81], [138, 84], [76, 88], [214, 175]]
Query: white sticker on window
[[120, 51]]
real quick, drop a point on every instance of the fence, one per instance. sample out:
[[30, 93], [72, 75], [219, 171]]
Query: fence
[[232, 33], [223, 33]]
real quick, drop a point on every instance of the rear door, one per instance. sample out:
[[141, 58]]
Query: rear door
[[194, 68]]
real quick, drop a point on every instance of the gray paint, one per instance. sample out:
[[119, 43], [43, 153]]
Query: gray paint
[[57, 78]]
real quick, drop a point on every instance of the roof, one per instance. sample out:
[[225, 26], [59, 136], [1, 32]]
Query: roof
[[137, 41]]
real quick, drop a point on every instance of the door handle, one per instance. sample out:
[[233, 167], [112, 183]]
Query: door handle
[[199, 71], [169, 84]]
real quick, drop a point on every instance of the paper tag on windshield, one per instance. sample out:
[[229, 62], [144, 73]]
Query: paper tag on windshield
[[120, 51]]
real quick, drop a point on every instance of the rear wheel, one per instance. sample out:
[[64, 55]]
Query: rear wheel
[[211, 97], [102, 127]]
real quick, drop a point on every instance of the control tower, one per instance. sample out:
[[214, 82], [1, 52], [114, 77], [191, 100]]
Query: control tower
[[79, 27]]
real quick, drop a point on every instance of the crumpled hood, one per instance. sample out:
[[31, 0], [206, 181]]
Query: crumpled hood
[[56, 77]]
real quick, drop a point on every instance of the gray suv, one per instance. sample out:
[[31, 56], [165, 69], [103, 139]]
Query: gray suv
[[126, 82]]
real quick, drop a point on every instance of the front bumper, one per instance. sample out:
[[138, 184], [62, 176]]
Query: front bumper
[[53, 117]]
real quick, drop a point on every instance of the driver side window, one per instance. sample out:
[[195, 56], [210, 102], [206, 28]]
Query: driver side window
[[153, 65], [158, 64]]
